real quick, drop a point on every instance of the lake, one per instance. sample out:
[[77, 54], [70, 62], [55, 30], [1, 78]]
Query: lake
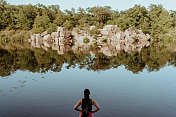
[[39, 83]]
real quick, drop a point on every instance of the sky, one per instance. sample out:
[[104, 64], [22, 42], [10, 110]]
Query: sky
[[114, 4]]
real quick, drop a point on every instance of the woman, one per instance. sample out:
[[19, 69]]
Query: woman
[[86, 105]]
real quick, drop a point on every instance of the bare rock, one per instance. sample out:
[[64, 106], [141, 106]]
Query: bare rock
[[38, 40], [44, 47], [92, 27], [47, 37], [46, 44], [54, 35], [60, 29]]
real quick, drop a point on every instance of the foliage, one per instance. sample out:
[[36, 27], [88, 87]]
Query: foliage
[[51, 28], [41, 23], [153, 58], [155, 20], [86, 40]]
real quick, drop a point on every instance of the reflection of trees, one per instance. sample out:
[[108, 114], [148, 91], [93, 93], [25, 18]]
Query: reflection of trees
[[38, 60], [12, 60], [6, 62], [132, 62], [173, 61]]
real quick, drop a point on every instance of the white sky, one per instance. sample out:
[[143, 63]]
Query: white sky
[[115, 4]]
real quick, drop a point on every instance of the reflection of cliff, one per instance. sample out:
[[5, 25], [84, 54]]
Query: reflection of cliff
[[38, 60], [110, 40]]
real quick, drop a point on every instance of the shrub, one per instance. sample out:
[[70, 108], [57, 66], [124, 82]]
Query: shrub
[[52, 28], [86, 40], [38, 30], [95, 36], [95, 45]]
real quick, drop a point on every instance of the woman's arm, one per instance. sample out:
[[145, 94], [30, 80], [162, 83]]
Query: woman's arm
[[77, 104], [96, 105]]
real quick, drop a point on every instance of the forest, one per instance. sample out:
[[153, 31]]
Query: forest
[[154, 20]]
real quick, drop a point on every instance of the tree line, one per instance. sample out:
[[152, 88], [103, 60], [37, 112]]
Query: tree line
[[154, 20]]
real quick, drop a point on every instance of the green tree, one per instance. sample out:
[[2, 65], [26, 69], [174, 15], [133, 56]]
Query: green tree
[[136, 17], [102, 14], [41, 23], [161, 20]]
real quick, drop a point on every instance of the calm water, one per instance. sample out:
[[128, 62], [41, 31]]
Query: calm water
[[36, 83]]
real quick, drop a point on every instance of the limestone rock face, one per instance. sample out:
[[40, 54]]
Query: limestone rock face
[[54, 35], [54, 38], [33, 38], [108, 30], [47, 37], [60, 29], [110, 40], [46, 40], [36, 40]]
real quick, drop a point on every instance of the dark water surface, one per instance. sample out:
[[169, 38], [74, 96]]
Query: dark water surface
[[34, 83]]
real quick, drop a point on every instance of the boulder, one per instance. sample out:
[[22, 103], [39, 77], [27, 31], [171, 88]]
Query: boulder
[[61, 50], [61, 41], [55, 41], [54, 35], [99, 35], [46, 44], [47, 37], [55, 47], [92, 27], [62, 34], [118, 35], [44, 47], [33, 37], [104, 32], [38, 40], [60, 29]]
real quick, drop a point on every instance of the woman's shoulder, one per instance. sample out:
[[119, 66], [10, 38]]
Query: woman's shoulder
[[80, 101], [93, 101]]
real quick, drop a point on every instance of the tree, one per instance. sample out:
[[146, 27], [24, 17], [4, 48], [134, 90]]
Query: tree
[[59, 20], [41, 23], [3, 16], [136, 17], [102, 14], [161, 20]]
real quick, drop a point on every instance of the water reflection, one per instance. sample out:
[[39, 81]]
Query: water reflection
[[17, 83], [96, 58], [54, 93]]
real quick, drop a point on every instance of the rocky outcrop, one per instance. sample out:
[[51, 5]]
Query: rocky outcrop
[[113, 33], [45, 40], [110, 40]]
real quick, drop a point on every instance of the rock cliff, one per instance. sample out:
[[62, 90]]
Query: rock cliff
[[110, 40]]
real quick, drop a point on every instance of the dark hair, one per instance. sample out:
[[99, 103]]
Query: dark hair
[[86, 94]]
